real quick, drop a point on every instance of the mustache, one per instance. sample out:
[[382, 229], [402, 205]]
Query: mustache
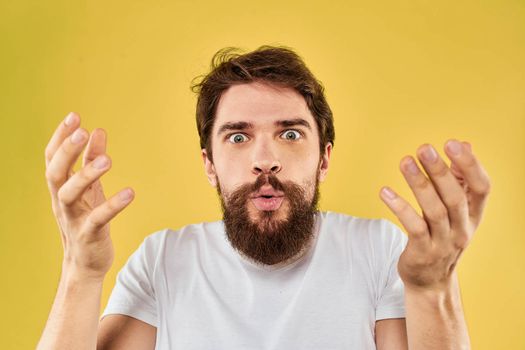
[[243, 192], [264, 179]]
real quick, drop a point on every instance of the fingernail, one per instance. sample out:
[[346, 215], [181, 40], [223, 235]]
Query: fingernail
[[77, 136], [387, 192], [412, 167], [430, 154], [454, 147], [100, 162], [126, 195], [70, 119]]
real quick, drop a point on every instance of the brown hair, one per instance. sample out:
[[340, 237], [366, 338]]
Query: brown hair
[[277, 65]]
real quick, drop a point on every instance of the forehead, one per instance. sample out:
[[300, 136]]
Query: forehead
[[261, 103]]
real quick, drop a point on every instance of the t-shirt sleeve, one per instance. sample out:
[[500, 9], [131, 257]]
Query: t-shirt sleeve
[[390, 302], [134, 293]]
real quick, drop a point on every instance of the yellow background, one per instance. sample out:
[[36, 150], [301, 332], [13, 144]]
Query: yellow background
[[397, 74]]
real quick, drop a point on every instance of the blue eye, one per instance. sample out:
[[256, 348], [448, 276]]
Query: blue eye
[[237, 138], [291, 135]]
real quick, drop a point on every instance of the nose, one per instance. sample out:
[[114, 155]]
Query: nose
[[265, 159]]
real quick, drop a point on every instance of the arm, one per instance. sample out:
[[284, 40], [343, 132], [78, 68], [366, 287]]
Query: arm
[[452, 202], [391, 334], [121, 332], [429, 316], [83, 214], [73, 320], [435, 319]]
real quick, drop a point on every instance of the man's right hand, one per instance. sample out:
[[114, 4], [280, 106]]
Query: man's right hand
[[78, 200]]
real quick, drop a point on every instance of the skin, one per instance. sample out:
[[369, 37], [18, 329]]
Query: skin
[[83, 214], [78, 199], [452, 201], [264, 147]]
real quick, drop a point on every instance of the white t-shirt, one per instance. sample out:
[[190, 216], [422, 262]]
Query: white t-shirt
[[201, 294]]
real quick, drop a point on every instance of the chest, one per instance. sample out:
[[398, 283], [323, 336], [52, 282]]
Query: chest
[[231, 307]]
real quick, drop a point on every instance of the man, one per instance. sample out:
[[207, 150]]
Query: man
[[275, 273]]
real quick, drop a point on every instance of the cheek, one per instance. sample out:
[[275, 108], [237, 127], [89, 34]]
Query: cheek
[[231, 172], [303, 165], [306, 154], [309, 186]]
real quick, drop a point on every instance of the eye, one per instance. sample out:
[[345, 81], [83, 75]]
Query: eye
[[291, 135], [237, 138]]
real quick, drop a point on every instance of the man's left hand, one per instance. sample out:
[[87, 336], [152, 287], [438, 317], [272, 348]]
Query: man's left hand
[[452, 200]]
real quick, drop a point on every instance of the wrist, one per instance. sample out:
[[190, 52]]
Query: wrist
[[443, 296], [72, 274]]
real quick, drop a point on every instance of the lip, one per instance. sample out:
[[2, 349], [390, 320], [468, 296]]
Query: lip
[[268, 191], [268, 204]]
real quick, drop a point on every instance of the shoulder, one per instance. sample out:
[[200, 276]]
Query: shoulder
[[332, 218], [185, 241], [378, 232], [168, 237]]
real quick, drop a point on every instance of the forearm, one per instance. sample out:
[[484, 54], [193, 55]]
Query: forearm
[[435, 319], [74, 317]]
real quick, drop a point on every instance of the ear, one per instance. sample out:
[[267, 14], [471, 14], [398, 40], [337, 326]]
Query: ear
[[325, 162], [209, 168]]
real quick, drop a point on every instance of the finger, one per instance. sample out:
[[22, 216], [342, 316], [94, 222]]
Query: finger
[[475, 176], [96, 146], [459, 176], [415, 226], [64, 129], [106, 211], [447, 186], [434, 211], [74, 187], [457, 172], [60, 166], [454, 167]]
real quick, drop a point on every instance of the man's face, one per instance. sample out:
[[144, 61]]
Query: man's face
[[266, 165]]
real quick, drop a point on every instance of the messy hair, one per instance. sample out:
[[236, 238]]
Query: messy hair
[[275, 65]]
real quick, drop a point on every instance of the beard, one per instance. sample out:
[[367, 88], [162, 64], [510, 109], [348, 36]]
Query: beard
[[270, 240]]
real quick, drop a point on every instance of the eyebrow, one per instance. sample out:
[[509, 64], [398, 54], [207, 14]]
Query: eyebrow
[[246, 125]]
